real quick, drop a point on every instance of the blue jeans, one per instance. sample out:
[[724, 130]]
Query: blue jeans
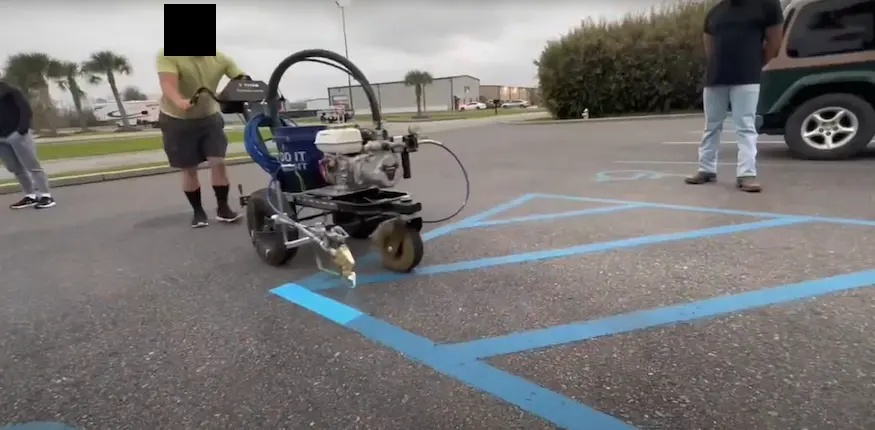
[[744, 100]]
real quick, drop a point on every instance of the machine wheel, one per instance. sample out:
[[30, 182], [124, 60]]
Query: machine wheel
[[268, 239], [359, 231], [830, 127], [401, 250]]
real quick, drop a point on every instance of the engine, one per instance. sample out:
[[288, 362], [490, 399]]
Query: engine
[[351, 163]]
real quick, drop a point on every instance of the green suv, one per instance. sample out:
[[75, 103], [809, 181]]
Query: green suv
[[819, 91]]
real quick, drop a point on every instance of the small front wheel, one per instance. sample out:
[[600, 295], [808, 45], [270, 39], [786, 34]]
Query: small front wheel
[[269, 238], [401, 250]]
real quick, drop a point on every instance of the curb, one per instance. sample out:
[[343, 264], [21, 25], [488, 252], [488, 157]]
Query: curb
[[114, 175], [608, 119]]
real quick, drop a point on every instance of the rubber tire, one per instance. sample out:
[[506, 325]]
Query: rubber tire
[[362, 232], [257, 210], [859, 107], [414, 249]]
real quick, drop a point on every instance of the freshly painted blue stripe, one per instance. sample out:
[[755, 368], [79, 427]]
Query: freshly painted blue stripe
[[579, 249], [328, 308], [37, 425], [708, 308], [539, 217], [414, 346], [556, 408], [485, 214], [835, 220], [560, 410]]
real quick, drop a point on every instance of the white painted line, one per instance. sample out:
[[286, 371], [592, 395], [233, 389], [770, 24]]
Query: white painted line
[[725, 130], [800, 163], [722, 142]]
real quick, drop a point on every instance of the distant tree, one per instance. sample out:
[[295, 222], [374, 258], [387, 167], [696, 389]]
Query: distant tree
[[418, 79], [31, 72], [110, 64], [133, 94], [68, 80]]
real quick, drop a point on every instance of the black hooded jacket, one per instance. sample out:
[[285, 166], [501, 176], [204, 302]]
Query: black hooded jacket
[[15, 112]]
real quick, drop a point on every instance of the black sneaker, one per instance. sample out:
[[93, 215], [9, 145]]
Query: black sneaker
[[45, 202], [226, 214], [199, 220], [26, 202]]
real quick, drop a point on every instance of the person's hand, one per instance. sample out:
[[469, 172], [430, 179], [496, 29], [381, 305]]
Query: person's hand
[[183, 104]]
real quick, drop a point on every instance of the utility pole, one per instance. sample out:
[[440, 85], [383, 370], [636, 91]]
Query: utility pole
[[342, 5]]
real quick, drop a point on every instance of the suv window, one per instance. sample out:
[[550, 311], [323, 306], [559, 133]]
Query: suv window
[[833, 27]]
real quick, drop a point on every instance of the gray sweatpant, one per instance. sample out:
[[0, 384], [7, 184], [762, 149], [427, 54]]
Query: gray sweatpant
[[19, 156]]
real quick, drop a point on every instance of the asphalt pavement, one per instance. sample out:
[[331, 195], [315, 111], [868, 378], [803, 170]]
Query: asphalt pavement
[[585, 286]]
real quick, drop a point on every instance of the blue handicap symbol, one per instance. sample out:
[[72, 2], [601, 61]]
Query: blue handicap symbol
[[631, 175]]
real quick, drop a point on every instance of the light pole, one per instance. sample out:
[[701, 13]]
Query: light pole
[[342, 5]]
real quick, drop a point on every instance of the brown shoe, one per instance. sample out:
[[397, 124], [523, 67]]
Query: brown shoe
[[701, 178], [748, 184]]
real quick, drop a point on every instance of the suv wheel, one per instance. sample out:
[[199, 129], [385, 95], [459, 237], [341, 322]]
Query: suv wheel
[[830, 127]]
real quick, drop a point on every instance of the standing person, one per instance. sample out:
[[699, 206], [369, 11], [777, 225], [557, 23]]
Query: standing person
[[741, 36], [18, 149], [194, 134]]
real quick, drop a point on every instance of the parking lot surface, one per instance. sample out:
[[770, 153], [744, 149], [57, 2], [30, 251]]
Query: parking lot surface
[[585, 286]]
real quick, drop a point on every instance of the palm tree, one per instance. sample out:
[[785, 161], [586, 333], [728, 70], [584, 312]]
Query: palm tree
[[31, 72], [109, 63], [70, 72], [418, 79]]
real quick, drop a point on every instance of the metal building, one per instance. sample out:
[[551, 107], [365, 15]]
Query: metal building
[[504, 92], [395, 97]]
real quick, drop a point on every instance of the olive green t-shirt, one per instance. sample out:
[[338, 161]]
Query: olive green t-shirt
[[195, 72]]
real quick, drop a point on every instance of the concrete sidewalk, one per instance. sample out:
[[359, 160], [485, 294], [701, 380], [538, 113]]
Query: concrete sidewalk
[[119, 161]]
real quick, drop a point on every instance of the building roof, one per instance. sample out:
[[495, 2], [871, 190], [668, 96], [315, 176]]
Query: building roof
[[401, 82]]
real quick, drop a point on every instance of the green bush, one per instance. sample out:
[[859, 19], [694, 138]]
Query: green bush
[[646, 62]]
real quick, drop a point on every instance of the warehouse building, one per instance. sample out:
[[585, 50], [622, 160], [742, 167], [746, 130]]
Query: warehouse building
[[504, 92], [395, 97]]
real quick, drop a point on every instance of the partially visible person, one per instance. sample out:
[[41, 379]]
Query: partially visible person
[[740, 37], [194, 134], [18, 149]]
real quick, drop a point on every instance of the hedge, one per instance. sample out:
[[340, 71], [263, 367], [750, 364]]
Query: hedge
[[644, 63]]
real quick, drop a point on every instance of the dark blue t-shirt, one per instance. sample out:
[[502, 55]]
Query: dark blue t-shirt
[[738, 31]]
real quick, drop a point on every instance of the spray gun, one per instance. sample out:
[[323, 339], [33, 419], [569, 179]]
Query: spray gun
[[333, 242]]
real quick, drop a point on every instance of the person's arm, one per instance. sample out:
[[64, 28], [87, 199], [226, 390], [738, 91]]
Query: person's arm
[[774, 29], [232, 70], [168, 77], [25, 113], [707, 40]]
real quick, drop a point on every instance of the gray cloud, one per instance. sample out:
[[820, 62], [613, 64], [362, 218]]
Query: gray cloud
[[493, 40]]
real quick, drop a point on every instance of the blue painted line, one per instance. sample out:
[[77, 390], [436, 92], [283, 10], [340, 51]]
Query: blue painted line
[[331, 309], [645, 319], [578, 249], [557, 215], [473, 219], [530, 397], [560, 410], [815, 218], [37, 425], [321, 281]]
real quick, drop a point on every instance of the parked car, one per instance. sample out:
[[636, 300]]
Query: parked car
[[473, 106], [515, 104], [819, 91]]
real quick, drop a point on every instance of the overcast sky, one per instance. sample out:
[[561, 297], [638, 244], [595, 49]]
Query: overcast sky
[[492, 40]]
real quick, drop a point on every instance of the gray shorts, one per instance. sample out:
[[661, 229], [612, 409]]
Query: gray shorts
[[189, 142]]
